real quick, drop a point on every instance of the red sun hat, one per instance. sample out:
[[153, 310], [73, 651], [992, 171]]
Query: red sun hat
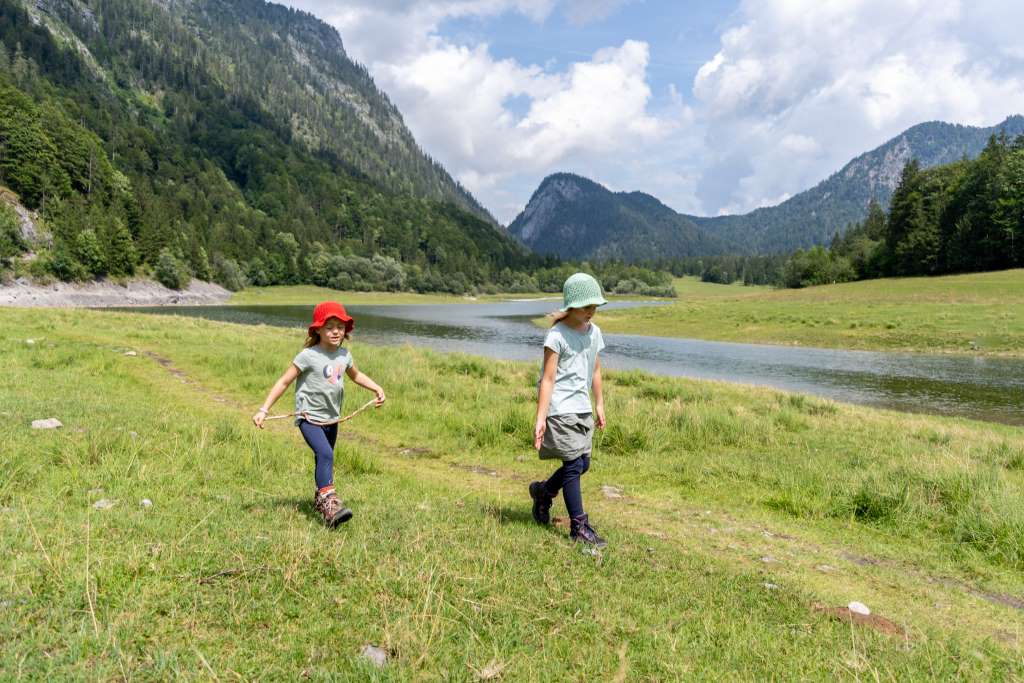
[[330, 309]]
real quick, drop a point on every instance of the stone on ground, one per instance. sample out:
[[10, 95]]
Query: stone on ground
[[377, 656]]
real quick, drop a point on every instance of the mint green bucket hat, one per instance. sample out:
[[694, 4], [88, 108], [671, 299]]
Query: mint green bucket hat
[[581, 290]]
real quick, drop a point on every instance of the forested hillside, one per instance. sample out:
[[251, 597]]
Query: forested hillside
[[147, 134], [955, 218]]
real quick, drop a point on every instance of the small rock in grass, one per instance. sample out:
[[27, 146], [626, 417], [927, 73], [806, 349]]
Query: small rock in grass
[[490, 672], [48, 423], [30, 342], [824, 568], [859, 608], [133, 435], [130, 353], [377, 656], [613, 492], [104, 504], [771, 586], [768, 559], [145, 503]]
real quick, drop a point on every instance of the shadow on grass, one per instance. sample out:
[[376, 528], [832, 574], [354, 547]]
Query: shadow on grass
[[303, 506], [521, 515]]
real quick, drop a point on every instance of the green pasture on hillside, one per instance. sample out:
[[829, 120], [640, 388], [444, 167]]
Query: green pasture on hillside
[[979, 313], [740, 522]]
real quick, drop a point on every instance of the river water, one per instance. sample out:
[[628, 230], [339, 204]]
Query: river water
[[982, 388]]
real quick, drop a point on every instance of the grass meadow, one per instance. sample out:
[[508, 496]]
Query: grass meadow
[[740, 521], [978, 313]]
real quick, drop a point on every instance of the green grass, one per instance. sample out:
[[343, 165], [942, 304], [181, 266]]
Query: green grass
[[744, 510], [978, 313]]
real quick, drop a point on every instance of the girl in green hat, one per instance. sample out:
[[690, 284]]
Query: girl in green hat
[[564, 428]]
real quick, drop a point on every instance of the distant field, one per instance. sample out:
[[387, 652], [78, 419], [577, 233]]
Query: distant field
[[741, 523], [981, 313]]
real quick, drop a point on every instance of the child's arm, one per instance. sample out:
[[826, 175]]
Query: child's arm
[[598, 393], [280, 386], [547, 385], [365, 382]]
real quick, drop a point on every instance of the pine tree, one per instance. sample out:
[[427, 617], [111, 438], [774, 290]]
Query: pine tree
[[120, 250]]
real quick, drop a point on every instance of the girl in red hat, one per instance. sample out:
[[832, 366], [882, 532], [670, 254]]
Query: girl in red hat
[[318, 397]]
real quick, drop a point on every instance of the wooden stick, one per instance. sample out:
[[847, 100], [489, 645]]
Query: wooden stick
[[366, 405]]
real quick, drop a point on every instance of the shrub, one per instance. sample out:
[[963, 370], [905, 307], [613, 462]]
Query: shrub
[[228, 274], [11, 242], [65, 266], [170, 271], [89, 252]]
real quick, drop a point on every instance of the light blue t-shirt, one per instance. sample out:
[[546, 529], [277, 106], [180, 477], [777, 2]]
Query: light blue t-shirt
[[577, 354], [320, 388]]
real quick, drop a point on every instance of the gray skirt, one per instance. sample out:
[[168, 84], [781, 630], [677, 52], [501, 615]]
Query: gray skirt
[[567, 436]]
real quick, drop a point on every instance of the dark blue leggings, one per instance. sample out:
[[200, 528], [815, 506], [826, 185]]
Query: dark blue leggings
[[321, 439], [567, 478]]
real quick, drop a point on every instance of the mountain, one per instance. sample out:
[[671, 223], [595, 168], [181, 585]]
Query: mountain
[[288, 62], [576, 218], [815, 215], [234, 138]]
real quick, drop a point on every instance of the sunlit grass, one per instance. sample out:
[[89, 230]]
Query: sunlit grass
[[979, 313], [742, 510]]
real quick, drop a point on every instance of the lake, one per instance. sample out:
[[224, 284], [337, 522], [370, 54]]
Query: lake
[[977, 387]]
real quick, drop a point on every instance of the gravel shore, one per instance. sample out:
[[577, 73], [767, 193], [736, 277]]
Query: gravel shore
[[22, 293]]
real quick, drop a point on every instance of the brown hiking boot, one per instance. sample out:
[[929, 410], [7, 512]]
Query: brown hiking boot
[[330, 506]]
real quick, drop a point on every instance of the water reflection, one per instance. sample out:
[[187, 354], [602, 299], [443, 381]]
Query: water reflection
[[983, 388]]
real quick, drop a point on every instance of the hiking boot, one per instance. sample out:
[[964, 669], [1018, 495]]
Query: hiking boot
[[541, 503], [581, 531], [330, 506]]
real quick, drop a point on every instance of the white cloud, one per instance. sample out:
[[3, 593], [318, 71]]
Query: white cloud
[[455, 98], [796, 89], [803, 86]]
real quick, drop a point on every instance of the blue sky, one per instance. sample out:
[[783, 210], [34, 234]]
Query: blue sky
[[713, 107]]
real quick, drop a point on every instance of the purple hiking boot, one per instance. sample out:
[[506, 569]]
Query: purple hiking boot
[[581, 531]]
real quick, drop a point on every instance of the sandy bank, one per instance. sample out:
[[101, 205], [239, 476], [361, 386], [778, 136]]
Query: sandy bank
[[104, 293]]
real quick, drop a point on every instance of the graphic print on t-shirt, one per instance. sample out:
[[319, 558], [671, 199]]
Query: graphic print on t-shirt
[[332, 373]]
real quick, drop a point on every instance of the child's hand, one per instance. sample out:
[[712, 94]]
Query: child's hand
[[538, 432], [380, 397], [600, 416]]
